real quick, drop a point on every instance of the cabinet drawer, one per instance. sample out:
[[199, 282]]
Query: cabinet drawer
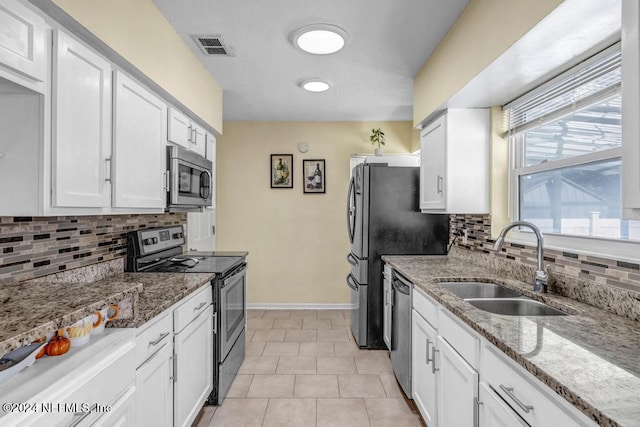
[[427, 307], [525, 394], [464, 341], [152, 336], [189, 310]]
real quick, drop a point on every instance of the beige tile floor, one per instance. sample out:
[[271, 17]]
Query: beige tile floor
[[302, 368]]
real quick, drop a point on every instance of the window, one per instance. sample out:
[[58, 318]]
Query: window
[[566, 144]]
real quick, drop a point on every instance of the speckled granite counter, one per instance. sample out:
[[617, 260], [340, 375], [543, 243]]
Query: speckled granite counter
[[591, 357], [160, 291], [29, 310]]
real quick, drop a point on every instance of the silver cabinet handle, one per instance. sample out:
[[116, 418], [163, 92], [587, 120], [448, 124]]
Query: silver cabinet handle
[[202, 304], [215, 323], [82, 415], [511, 394], [428, 343], [107, 169], [165, 180], [440, 179], [160, 338], [174, 359], [433, 359]]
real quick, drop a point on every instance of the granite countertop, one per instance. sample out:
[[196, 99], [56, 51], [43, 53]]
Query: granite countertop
[[31, 310], [591, 357], [160, 291]]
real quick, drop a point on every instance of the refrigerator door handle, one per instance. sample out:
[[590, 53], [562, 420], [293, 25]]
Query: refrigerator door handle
[[351, 209], [352, 260], [351, 283]]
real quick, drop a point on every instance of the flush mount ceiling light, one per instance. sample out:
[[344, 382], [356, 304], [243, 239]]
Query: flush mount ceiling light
[[319, 39], [315, 85]]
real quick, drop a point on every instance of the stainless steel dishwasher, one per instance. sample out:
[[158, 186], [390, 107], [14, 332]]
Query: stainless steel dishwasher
[[401, 332]]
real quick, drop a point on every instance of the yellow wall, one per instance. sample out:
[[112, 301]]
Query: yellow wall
[[138, 31], [297, 242], [499, 173], [484, 30]]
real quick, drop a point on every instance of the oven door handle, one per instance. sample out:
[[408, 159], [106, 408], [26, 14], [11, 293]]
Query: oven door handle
[[239, 272]]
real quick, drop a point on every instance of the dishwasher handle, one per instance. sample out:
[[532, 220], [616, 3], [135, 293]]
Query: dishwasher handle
[[401, 287]]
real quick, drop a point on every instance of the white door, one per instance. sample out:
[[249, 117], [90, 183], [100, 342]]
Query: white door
[[81, 126], [179, 131], [139, 154], [194, 368], [201, 230], [433, 165], [494, 412], [458, 388], [22, 41], [154, 382], [423, 377], [122, 413]]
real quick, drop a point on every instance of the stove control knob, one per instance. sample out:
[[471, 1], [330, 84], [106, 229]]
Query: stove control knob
[[150, 241], [178, 235]]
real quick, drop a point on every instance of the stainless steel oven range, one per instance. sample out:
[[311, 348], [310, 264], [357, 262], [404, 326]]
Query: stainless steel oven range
[[159, 250]]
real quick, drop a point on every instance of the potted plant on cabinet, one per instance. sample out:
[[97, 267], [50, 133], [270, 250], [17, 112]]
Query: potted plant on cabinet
[[377, 137]]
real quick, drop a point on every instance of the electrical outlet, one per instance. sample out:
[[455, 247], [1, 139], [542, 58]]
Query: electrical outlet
[[464, 236]]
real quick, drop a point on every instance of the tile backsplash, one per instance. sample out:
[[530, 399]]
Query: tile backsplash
[[603, 282], [32, 247]]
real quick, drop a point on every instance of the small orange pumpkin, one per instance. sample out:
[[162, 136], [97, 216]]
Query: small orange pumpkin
[[58, 345]]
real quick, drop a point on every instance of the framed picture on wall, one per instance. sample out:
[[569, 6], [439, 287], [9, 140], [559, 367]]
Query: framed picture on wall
[[282, 171], [315, 175]]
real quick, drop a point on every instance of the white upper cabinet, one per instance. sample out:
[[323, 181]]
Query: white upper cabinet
[[631, 109], [186, 133], [139, 155], [81, 126], [23, 51], [454, 159]]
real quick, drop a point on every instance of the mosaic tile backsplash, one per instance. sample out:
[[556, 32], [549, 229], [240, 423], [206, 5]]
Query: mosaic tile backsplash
[[605, 283], [32, 247]]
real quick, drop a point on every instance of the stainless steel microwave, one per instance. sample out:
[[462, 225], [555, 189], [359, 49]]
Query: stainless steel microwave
[[189, 178]]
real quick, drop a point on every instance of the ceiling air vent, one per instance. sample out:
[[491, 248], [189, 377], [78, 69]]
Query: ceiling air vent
[[212, 45]]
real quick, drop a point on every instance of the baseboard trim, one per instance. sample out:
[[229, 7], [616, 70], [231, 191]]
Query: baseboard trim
[[299, 306]]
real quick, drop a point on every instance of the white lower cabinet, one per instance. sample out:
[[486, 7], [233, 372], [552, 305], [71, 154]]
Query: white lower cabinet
[[122, 413], [457, 388], [460, 379], [494, 412], [193, 375], [423, 375]]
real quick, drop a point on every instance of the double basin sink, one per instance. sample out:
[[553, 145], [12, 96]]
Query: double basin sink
[[499, 299]]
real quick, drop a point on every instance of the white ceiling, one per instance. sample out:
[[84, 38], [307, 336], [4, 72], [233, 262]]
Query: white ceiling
[[372, 77]]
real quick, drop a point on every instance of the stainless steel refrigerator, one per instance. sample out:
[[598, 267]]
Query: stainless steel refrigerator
[[384, 218]]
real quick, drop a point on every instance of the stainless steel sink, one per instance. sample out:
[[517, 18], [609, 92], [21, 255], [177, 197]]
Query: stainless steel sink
[[466, 290], [515, 307]]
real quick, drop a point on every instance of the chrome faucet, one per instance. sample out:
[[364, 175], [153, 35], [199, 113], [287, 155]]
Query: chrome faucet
[[540, 284]]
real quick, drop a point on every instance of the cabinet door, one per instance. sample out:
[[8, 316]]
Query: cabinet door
[[433, 165], [140, 135], [81, 126], [154, 384], [198, 139], [179, 131], [493, 412], [22, 41], [193, 378], [423, 376], [201, 230], [458, 388], [122, 413]]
